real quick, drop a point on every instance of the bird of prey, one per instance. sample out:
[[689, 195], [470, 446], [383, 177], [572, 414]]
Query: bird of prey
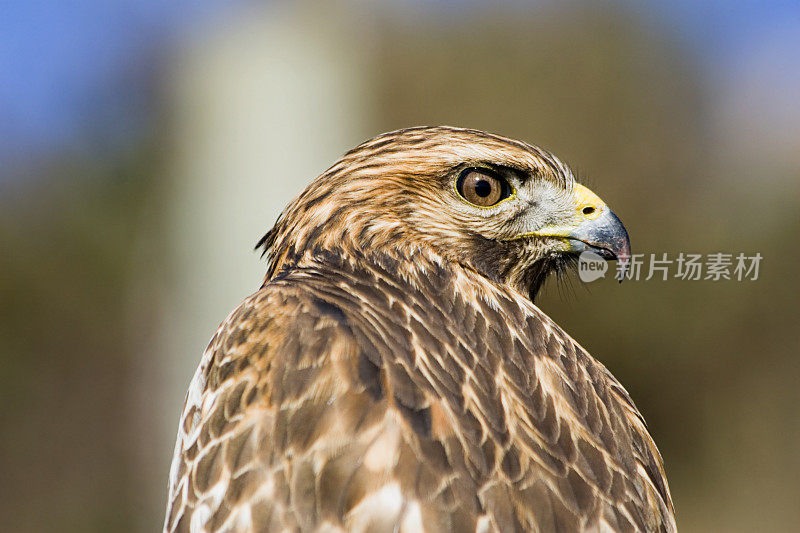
[[393, 373]]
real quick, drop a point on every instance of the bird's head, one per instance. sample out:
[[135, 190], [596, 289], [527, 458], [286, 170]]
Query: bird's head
[[504, 208]]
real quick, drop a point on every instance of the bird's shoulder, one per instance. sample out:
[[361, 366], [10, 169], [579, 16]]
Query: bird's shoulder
[[258, 394], [361, 390]]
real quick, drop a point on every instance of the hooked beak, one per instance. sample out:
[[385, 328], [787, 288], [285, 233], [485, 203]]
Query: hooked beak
[[605, 236], [596, 228]]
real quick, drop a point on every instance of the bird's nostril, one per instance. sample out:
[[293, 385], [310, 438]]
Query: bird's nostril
[[588, 210]]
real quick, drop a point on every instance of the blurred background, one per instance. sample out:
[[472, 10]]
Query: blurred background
[[145, 147]]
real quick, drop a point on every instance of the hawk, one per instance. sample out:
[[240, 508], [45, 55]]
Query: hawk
[[393, 373]]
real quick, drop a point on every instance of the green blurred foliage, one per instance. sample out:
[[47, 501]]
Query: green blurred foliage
[[65, 359], [712, 365]]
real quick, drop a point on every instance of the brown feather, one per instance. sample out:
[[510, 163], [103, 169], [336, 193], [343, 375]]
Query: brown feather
[[390, 387]]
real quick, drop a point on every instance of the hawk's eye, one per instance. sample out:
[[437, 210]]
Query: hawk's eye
[[482, 187]]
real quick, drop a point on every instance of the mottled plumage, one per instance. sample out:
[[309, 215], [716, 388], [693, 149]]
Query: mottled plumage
[[394, 374]]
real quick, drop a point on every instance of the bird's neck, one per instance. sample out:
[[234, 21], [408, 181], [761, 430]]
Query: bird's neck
[[413, 265]]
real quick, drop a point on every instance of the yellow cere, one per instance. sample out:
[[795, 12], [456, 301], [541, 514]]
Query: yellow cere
[[587, 203]]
